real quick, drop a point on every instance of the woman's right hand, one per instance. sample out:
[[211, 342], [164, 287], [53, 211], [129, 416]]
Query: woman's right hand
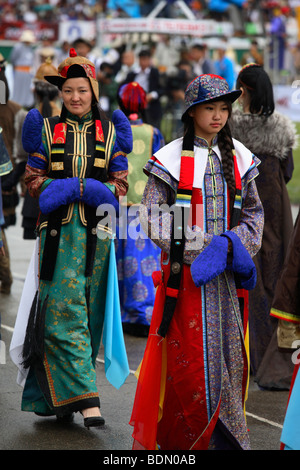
[[96, 193]]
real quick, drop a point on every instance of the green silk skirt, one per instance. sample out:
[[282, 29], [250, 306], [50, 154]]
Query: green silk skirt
[[66, 381]]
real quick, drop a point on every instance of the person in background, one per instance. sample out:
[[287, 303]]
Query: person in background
[[9, 115], [22, 59], [5, 168], [201, 63], [175, 91], [285, 308], [224, 65], [46, 96], [272, 137], [149, 78], [44, 51], [128, 62], [108, 88], [253, 55], [139, 257], [278, 36], [165, 55], [82, 47], [63, 51]]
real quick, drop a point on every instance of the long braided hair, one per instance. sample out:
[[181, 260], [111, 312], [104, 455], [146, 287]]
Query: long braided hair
[[225, 144]]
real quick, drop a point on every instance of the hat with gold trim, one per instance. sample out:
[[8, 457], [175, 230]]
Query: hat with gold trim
[[74, 67], [45, 69]]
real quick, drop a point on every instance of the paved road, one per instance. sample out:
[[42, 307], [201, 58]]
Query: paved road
[[25, 431]]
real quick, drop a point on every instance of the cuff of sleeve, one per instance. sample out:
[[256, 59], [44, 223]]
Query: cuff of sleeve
[[46, 184], [111, 187]]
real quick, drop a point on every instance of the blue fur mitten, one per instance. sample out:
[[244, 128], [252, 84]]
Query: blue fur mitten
[[58, 193], [211, 262], [124, 141], [96, 193], [242, 263], [32, 131]]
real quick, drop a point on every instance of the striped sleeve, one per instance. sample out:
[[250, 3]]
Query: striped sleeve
[[118, 170], [37, 168], [154, 167]]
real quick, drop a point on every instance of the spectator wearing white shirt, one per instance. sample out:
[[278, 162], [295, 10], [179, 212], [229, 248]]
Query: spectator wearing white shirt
[[148, 78]]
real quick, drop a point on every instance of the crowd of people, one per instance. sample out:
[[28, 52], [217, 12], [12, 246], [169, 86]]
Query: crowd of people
[[81, 130], [11, 10]]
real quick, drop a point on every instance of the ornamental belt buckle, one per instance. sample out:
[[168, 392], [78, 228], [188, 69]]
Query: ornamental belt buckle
[[175, 267]]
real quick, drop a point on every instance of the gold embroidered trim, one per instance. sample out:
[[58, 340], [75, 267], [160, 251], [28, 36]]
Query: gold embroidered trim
[[187, 153], [55, 401], [99, 162], [56, 166]]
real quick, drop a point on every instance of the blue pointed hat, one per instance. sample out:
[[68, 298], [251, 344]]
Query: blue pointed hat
[[208, 87]]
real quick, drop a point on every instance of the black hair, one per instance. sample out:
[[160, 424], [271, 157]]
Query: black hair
[[106, 65], [145, 53], [199, 47], [81, 41], [97, 111], [225, 144], [45, 93], [257, 83]]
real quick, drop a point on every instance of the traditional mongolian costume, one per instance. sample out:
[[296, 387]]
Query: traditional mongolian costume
[[46, 95], [137, 256], [286, 309], [76, 261], [192, 383], [6, 167], [271, 140]]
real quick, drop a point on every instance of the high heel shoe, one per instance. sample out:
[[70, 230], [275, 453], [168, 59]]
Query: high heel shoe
[[93, 421]]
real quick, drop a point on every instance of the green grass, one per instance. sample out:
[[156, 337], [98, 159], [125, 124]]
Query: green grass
[[293, 186]]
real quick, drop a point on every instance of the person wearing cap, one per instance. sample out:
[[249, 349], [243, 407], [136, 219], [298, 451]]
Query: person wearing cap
[[22, 59], [44, 51], [192, 383], [224, 65], [77, 168], [137, 257]]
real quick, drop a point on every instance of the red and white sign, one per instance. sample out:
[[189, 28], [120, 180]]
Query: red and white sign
[[12, 31], [165, 26]]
